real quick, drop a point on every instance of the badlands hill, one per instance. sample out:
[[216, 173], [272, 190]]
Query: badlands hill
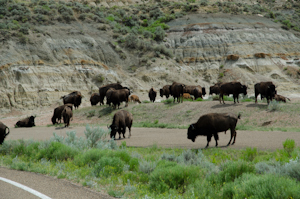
[[51, 48]]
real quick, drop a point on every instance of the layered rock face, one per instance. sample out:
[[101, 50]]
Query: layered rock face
[[63, 59]]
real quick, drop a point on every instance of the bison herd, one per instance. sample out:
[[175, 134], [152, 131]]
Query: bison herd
[[208, 125]]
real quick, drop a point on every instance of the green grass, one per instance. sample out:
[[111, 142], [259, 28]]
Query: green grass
[[156, 172]]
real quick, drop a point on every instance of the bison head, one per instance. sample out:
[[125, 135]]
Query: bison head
[[113, 130], [161, 92], [244, 89], [271, 91], [191, 134], [31, 121], [203, 91], [53, 119]]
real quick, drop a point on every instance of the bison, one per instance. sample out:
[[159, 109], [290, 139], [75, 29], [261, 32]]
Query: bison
[[118, 96], [177, 90], [152, 94], [108, 95], [27, 122], [73, 98], [215, 89], [104, 89], [3, 132], [57, 113], [211, 124], [280, 98], [234, 88], [95, 99], [196, 91], [165, 90], [134, 98], [121, 120], [265, 89], [187, 96], [67, 115]]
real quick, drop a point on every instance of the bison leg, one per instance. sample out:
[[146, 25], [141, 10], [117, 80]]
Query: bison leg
[[232, 134], [216, 136], [129, 127], [208, 140]]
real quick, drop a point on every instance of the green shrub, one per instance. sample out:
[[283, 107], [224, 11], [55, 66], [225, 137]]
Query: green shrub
[[274, 106], [250, 154], [108, 166], [57, 151], [131, 41], [147, 167], [289, 145], [159, 33]]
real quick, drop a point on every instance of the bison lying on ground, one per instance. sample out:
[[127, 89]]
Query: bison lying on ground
[[104, 89], [265, 89], [234, 88], [187, 96], [165, 91], [117, 96], [152, 94], [73, 98], [27, 122], [211, 124], [280, 98], [57, 113], [95, 99], [3, 132], [67, 115], [177, 90], [134, 98], [121, 120]]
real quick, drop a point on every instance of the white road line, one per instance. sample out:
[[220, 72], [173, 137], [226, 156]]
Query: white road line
[[34, 192]]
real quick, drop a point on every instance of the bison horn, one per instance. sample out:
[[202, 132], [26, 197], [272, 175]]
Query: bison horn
[[192, 127]]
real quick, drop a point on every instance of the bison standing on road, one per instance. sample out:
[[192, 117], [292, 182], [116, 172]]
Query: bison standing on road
[[67, 115], [234, 88], [95, 99], [27, 122], [215, 89], [177, 90], [57, 113], [211, 124], [3, 132], [121, 120], [280, 98], [165, 90], [134, 98], [152, 94], [118, 96], [103, 90], [265, 89], [73, 98]]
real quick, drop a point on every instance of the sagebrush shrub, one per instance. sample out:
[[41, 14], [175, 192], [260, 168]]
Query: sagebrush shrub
[[57, 151], [108, 166], [147, 166]]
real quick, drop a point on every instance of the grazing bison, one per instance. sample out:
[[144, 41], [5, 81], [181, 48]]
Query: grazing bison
[[215, 89], [196, 91], [234, 88], [121, 120], [27, 122], [103, 90], [165, 91], [280, 98], [118, 96], [73, 98], [152, 94], [177, 90], [67, 115], [108, 95], [3, 132], [57, 113], [187, 96], [95, 99], [134, 98], [265, 89], [211, 124]]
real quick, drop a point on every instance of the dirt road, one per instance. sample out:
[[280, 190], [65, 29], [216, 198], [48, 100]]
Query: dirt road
[[145, 137]]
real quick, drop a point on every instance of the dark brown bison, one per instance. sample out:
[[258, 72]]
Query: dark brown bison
[[152, 94], [67, 115], [187, 96], [215, 89], [177, 90], [3, 132], [103, 90], [108, 95], [134, 98], [118, 96], [57, 113], [211, 124], [234, 88], [280, 98], [95, 99], [27, 122], [165, 90], [121, 120], [73, 98], [266, 90], [196, 91]]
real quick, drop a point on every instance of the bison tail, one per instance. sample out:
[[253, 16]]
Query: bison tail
[[7, 131], [288, 99], [239, 116]]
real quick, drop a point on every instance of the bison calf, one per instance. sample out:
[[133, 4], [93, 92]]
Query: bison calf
[[134, 98], [211, 124], [121, 120], [27, 122], [187, 96], [280, 98], [67, 114], [3, 132]]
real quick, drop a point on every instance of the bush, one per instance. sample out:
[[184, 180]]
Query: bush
[[147, 167], [289, 145], [274, 106], [131, 41], [250, 154], [57, 151], [107, 166], [159, 33]]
